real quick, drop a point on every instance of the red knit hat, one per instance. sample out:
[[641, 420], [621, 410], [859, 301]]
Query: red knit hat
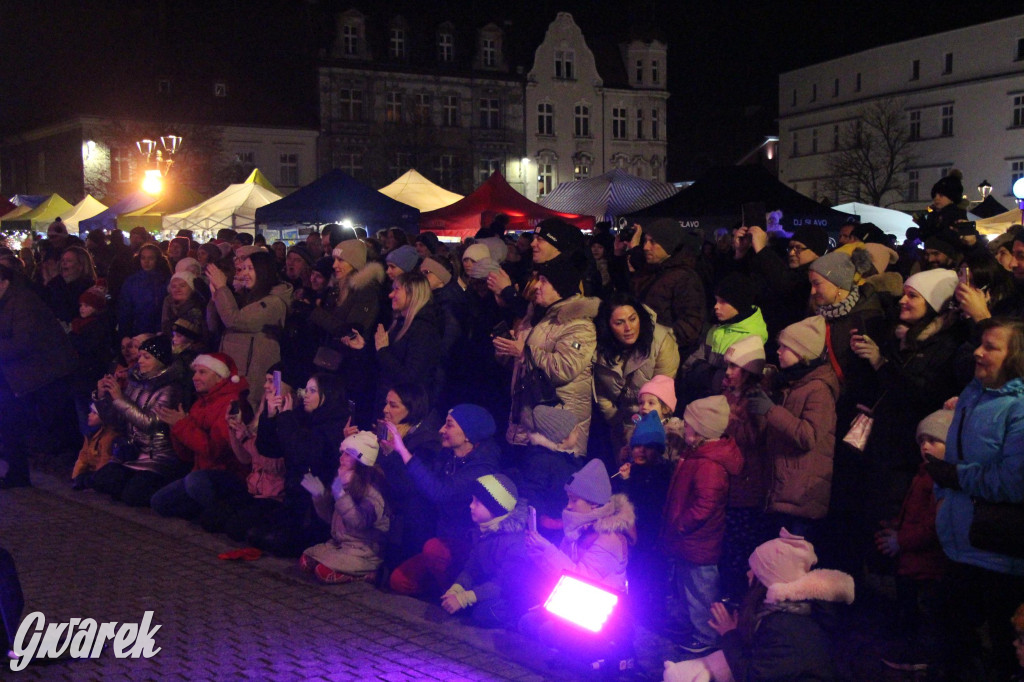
[[220, 364], [94, 297]]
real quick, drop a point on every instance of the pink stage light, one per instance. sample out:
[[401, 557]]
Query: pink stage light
[[581, 603]]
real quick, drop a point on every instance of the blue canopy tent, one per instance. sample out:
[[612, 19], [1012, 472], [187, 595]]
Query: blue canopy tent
[[716, 199], [333, 198], [107, 220]]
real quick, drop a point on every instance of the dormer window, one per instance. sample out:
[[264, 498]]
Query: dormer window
[[489, 52], [639, 71], [565, 64], [655, 75], [445, 47], [350, 39], [220, 90], [396, 44]]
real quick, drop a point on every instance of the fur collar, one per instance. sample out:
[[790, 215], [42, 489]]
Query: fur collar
[[575, 308], [823, 584], [621, 520], [373, 273], [886, 282]]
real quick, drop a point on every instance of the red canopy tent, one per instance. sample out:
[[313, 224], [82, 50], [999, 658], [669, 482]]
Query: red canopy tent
[[466, 216]]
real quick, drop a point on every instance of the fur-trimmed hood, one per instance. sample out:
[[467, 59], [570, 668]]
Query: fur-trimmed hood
[[885, 283], [621, 520], [371, 273], [822, 584], [576, 307]]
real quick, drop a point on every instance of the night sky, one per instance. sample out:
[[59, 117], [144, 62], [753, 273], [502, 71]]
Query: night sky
[[59, 58]]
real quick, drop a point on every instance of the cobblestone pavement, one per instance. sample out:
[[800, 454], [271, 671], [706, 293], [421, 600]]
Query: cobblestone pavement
[[80, 555]]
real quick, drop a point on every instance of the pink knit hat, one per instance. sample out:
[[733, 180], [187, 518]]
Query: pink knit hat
[[782, 560], [663, 388]]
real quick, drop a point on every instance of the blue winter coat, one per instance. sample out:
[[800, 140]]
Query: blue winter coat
[[141, 302], [991, 467]]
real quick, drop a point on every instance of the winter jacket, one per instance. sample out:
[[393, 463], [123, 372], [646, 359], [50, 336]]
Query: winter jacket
[[934, 222], [694, 519], [674, 291], [360, 308], [414, 358], [562, 345], [617, 383], [705, 368], [792, 638], [448, 482], [202, 439], [34, 350], [251, 335], [454, 308], [96, 451], [600, 553], [801, 439], [749, 488], [920, 556], [647, 489], [309, 440], [92, 342], [63, 296], [784, 292], [357, 532], [140, 303], [137, 411], [266, 474], [990, 467]]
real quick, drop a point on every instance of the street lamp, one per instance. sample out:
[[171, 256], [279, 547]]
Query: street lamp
[[984, 189], [1018, 192], [160, 158]]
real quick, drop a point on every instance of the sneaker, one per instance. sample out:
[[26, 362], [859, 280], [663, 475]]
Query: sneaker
[[696, 646]]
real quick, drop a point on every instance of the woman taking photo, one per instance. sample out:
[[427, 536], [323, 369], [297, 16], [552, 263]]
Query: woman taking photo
[[631, 349], [251, 318], [984, 464]]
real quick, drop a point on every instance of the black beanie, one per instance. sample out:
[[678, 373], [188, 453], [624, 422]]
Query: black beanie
[[813, 237], [159, 347], [738, 291], [560, 234], [950, 187], [945, 241], [564, 276]]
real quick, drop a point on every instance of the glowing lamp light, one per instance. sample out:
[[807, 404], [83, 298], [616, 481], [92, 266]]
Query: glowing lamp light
[[1018, 189], [345, 222], [153, 183], [581, 603]]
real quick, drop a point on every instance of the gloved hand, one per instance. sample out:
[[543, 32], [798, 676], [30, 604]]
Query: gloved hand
[[758, 402], [312, 484], [686, 671], [943, 473], [457, 597]]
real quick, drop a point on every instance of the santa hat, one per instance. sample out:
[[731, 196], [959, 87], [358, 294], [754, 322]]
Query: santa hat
[[220, 364]]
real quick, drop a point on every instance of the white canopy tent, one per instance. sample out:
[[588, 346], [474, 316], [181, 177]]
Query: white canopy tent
[[999, 224], [887, 219], [415, 190], [86, 208], [233, 208]]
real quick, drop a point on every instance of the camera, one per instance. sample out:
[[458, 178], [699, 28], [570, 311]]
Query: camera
[[626, 233]]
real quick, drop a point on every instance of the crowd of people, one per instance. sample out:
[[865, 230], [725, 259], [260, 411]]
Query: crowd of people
[[693, 424]]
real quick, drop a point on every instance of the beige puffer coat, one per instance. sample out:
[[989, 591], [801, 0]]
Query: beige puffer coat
[[562, 345]]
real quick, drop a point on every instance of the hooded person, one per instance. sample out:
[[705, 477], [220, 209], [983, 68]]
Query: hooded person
[[355, 507], [694, 519]]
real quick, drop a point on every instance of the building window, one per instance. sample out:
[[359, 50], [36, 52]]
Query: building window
[[545, 119], [814, 92], [489, 165], [655, 73], [581, 169], [856, 86], [450, 111], [915, 69], [1020, 50], [814, 141], [396, 46], [120, 165], [163, 86], [350, 105], [913, 185], [1016, 173], [639, 71], [1018, 111], [489, 52], [835, 137], [402, 161], [655, 131], [565, 64], [581, 120], [393, 107], [220, 89], [915, 125], [835, 88], [350, 39], [947, 65], [444, 170], [289, 170], [793, 103], [424, 109], [350, 162], [489, 113], [947, 120], [618, 123], [796, 144], [545, 177], [639, 124], [445, 47], [246, 160]]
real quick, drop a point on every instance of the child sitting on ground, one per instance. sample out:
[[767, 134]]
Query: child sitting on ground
[[96, 450]]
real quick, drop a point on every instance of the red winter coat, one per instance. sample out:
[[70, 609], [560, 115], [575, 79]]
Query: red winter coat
[[921, 556], [202, 437], [695, 510]]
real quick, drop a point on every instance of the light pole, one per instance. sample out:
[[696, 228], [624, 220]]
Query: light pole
[[160, 159], [984, 189]]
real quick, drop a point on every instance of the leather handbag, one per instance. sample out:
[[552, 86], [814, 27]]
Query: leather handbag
[[534, 387], [327, 358]]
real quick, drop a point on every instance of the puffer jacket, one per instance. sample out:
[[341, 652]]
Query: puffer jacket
[[357, 532], [921, 556], [137, 412], [361, 306], [695, 508], [674, 290], [617, 383], [602, 550], [990, 467], [251, 335], [202, 439], [562, 345], [801, 439]]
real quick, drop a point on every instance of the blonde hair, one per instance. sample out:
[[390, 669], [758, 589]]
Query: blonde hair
[[417, 288]]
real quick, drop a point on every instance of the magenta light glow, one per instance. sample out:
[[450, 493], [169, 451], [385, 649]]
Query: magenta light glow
[[581, 603]]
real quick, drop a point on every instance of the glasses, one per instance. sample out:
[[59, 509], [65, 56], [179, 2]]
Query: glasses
[[796, 249]]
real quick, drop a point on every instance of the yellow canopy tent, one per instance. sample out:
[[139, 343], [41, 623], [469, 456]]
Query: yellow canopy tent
[[415, 190], [174, 198], [39, 217], [998, 224]]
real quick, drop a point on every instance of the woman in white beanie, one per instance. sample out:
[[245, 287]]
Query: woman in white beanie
[[782, 630], [356, 509], [801, 431], [183, 301]]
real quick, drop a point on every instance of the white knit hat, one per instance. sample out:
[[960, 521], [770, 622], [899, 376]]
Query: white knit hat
[[747, 353], [185, 276], [363, 446], [806, 338], [936, 286], [708, 416]]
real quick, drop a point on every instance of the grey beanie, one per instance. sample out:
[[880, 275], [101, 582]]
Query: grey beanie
[[935, 425], [836, 267], [667, 233], [591, 483], [554, 423]]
